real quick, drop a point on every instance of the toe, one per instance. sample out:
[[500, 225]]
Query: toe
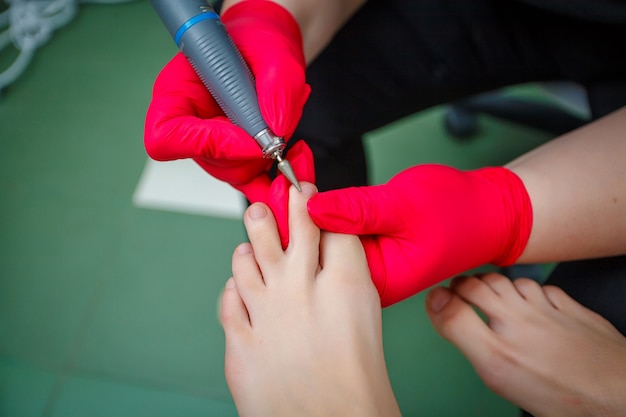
[[343, 254], [233, 312], [456, 321], [246, 272], [478, 293], [532, 292], [563, 302], [263, 234], [304, 235], [557, 297], [500, 284]]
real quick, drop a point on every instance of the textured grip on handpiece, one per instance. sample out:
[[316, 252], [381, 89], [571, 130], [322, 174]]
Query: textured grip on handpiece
[[202, 38]]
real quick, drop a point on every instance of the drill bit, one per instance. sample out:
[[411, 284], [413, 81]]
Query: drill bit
[[285, 167]]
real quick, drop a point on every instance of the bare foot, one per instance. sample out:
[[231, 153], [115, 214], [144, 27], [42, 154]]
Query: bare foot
[[303, 326], [539, 349]]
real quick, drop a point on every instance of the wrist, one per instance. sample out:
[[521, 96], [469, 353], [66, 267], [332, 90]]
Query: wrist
[[516, 214]]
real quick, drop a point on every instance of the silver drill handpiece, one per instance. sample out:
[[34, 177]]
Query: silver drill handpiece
[[202, 38], [273, 146]]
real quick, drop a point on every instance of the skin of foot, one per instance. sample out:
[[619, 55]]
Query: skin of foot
[[303, 326], [537, 348]]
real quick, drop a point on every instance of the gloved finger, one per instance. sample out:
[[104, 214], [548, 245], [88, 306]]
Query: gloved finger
[[357, 210], [278, 200], [282, 95], [183, 120], [257, 190], [190, 137], [397, 270], [278, 66], [375, 262], [248, 177], [301, 159], [182, 92], [235, 172], [282, 107]]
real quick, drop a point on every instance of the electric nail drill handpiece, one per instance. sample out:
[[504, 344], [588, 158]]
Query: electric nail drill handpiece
[[202, 38]]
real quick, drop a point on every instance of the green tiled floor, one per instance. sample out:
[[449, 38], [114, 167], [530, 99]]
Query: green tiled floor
[[110, 310], [99, 397], [24, 389]]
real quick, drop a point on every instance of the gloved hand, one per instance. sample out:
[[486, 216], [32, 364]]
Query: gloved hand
[[430, 222], [184, 121]]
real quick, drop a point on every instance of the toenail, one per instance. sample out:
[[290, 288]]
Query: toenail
[[244, 249], [257, 211], [230, 284], [307, 189], [438, 298]]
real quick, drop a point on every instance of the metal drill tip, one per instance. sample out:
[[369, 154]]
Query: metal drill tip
[[285, 167]]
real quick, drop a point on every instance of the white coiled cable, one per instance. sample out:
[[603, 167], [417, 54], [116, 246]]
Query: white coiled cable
[[29, 24]]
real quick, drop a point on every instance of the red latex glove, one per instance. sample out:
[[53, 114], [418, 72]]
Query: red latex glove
[[301, 160], [429, 223], [184, 121]]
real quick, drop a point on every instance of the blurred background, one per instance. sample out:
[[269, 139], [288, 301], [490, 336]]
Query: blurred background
[[111, 265]]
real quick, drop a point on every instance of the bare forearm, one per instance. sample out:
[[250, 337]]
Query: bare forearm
[[577, 185], [319, 20]]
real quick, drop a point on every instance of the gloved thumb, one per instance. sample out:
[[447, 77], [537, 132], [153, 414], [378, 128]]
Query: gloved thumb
[[357, 210]]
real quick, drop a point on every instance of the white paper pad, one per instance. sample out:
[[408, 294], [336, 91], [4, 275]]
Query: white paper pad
[[182, 186]]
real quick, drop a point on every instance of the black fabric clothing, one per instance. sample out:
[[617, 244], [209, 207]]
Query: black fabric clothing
[[610, 11], [397, 57]]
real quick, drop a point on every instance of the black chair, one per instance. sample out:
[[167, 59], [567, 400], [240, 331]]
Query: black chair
[[563, 108]]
